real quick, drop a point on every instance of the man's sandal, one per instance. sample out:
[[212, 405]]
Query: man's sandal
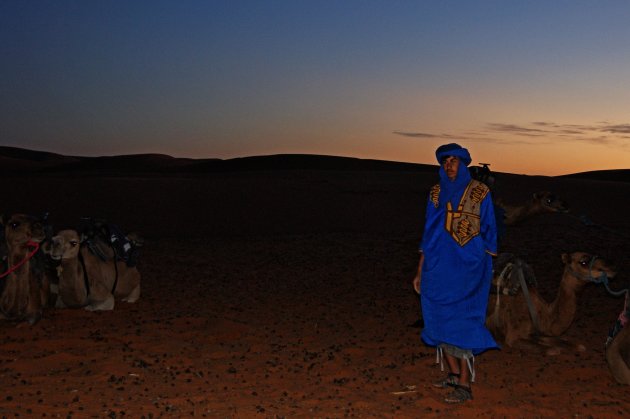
[[459, 395], [451, 380]]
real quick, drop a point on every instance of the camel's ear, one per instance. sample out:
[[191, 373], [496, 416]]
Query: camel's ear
[[83, 238], [566, 258], [535, 195]]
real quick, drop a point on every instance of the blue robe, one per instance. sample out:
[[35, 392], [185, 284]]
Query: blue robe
[[456, 279]]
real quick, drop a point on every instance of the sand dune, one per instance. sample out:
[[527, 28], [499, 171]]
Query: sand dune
[[14, 160]]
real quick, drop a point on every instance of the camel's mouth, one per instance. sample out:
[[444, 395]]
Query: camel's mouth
[[610, 273]]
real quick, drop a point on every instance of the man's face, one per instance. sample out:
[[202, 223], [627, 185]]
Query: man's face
[[451, 165]]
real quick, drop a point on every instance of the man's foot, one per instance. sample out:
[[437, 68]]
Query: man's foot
[[459, 395], [451, 380]]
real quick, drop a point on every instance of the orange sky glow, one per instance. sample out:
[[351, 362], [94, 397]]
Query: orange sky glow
[[535, 88]]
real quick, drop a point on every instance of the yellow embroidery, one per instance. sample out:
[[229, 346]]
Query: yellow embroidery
[[435, 195], [463, 229], [465, 223], [478, 193]]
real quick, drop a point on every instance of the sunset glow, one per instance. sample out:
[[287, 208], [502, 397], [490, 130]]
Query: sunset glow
[[534, 87]]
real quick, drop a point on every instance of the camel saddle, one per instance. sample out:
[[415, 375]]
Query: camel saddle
[[504, 281], [99, 235]]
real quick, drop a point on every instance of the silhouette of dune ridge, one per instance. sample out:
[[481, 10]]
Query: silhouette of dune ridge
[[19, 160]]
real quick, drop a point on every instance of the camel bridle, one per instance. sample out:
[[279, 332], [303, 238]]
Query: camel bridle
[[29, 256], [601, 279], [589, 277]]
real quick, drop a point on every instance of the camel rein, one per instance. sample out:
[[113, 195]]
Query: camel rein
[[29, 256], [624, 317], [530, 304], [621, 322]]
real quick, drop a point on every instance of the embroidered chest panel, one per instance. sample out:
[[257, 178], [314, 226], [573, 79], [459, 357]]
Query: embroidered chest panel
[[464, 222]]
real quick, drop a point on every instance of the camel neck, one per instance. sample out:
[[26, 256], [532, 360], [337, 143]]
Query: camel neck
[[564, 306]]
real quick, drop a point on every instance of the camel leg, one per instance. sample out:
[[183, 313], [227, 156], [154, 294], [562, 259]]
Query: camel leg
[[557, 345], [34, 306], [510, 335], [107, 304], [526, 345], [100, 298], [44, 292], [54, 298], [133, 296], [547, 345]]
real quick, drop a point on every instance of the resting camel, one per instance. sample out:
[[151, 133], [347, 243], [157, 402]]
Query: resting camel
[[509, 316], [24, 286], [86, 280], [618, 349], [541, 203]]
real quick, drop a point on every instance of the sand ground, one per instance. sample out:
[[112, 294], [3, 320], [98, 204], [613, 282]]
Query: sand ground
[[288, 294]]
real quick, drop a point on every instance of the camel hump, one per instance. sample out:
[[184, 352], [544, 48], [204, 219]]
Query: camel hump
[[505, 275]]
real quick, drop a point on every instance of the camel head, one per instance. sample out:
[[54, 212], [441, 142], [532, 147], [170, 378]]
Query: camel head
[[21, 230], [587, 267], [65, 245], [550, 202]]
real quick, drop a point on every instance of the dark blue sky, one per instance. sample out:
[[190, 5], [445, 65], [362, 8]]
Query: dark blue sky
[[390, 80]]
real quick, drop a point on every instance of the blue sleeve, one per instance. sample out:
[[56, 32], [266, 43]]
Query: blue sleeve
[[424, 229], [488, 225]]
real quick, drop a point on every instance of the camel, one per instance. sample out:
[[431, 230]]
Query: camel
[[509, 316], [543, 202], [618, 348], [88, 281], [24, 286]]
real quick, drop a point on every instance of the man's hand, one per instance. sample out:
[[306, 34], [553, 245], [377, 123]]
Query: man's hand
[[416, 283], [416, 279]]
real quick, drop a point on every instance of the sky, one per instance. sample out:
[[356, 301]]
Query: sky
[[537, 87]]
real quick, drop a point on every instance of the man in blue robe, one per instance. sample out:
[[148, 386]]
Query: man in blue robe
[[455, 269]]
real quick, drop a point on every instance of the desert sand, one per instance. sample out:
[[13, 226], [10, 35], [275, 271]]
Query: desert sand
[[287, 293]]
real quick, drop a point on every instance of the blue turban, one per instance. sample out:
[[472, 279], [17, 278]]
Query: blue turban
[[453, 149]]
